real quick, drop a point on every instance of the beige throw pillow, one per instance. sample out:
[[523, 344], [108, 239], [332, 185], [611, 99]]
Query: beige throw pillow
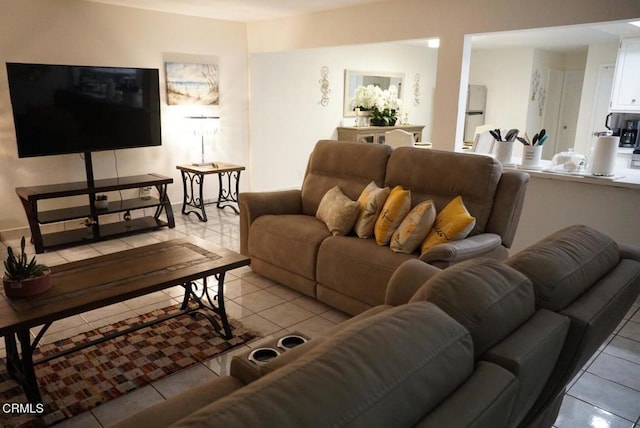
[[414, 228], [337, 211], [371, 201]]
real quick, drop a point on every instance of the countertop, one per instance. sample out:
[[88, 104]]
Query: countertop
[[623, 177]]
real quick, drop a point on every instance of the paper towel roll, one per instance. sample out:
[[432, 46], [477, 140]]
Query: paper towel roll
[[604, 156]]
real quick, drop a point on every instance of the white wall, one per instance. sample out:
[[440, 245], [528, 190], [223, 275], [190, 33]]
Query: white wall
[[450, 20], [507, 74], [287, 118], [598, 55], [85, 33]]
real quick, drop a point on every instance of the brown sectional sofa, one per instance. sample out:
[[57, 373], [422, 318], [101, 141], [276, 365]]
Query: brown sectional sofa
[[288, 244], [483, 344]]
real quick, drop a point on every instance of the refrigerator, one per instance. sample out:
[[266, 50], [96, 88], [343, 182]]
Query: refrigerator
[[474, 113]]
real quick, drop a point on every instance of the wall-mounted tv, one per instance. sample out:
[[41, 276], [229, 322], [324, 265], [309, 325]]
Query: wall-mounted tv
[[61, 109]]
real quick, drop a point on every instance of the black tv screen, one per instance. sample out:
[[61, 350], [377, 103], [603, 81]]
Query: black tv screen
[[61, 109]]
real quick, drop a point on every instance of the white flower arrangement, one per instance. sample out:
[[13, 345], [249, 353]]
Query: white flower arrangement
[[388, 98], [368, 97], [365, 98]]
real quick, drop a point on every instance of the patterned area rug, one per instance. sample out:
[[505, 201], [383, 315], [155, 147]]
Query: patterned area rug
[[85, 379]]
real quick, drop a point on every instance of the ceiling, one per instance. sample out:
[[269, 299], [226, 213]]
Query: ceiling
[[239, 10], [562, 39]]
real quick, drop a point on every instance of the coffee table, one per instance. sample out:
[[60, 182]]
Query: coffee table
[[100, 281]]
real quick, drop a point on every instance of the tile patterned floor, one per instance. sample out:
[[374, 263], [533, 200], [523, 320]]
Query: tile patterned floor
[[606, 393]]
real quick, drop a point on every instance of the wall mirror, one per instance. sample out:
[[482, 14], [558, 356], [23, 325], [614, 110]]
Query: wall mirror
[[355, 78]]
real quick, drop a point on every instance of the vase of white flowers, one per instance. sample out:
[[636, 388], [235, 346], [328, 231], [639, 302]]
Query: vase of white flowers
[[362, 103], [365, 98], [385, 111], [383, 105]]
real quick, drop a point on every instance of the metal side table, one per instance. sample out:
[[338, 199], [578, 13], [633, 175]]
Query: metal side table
[[193, 183]]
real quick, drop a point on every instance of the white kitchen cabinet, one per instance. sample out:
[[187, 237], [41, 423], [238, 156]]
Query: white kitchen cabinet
[[625, 95]]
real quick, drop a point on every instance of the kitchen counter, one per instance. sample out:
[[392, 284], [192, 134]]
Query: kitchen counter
[[627, 177], [554, 201]]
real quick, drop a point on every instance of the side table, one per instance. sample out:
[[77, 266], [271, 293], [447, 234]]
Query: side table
[[193, 183]]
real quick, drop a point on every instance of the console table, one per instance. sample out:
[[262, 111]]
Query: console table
[[29, 197], [375, 134], [193, 177]]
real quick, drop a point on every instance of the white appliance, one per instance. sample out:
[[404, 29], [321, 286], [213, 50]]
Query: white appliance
[[474, 113]]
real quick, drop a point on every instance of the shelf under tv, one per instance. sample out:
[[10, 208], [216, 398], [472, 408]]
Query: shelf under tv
[[29, 196], [107, 231]]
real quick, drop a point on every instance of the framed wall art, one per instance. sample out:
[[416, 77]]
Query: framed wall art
[[192, 84]]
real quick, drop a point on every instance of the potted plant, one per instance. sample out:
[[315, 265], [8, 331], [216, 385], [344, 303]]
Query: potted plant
[[383, 117], [23, 278], [385, 110]]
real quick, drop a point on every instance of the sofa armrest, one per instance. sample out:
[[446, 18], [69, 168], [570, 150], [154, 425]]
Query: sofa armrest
[[484, 400], [406, 280], [255, 204], [628, 251], [468, 248]]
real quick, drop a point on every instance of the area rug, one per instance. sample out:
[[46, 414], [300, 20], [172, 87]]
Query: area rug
[[85, 379]]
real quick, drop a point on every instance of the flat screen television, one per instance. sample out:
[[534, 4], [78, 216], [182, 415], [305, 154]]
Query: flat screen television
[[60, 109]]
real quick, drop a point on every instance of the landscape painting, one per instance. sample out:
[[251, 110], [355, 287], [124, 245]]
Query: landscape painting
[[192, 84]]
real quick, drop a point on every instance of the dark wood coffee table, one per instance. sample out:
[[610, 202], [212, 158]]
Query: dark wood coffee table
[[101, 281]]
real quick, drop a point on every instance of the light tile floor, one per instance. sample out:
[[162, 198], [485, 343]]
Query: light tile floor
[[606, 393]]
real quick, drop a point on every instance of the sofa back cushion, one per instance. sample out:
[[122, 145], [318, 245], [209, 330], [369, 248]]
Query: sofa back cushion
[[566, 264], [389, 369], [441, 176], [350, 166], [489, 299]]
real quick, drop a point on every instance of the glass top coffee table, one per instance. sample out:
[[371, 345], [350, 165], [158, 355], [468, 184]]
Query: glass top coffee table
[[101, 281]]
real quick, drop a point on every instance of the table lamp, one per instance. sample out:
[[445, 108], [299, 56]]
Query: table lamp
[[204, 125]]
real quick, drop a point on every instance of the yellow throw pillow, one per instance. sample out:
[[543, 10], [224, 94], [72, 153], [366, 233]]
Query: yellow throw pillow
[[393, 212], [371, 201], [414, 228], [337, 211], [452, 224]]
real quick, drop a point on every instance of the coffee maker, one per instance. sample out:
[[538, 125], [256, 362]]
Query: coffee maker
[[629, 134]]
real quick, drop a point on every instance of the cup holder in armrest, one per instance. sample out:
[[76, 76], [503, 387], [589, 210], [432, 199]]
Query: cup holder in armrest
[[290, 341], [262, 356]]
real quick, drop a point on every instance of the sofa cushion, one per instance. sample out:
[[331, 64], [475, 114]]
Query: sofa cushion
[[490, 299], [414, 228], [290, 242], [334, 163], [337, 211], [371, 201], [452, 223], [343, 257], [387, 370], [565, 264], [429, 174], [394, 210]]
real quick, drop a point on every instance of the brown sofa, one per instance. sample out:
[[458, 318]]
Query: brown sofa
[[288, 244], [482, 344]]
